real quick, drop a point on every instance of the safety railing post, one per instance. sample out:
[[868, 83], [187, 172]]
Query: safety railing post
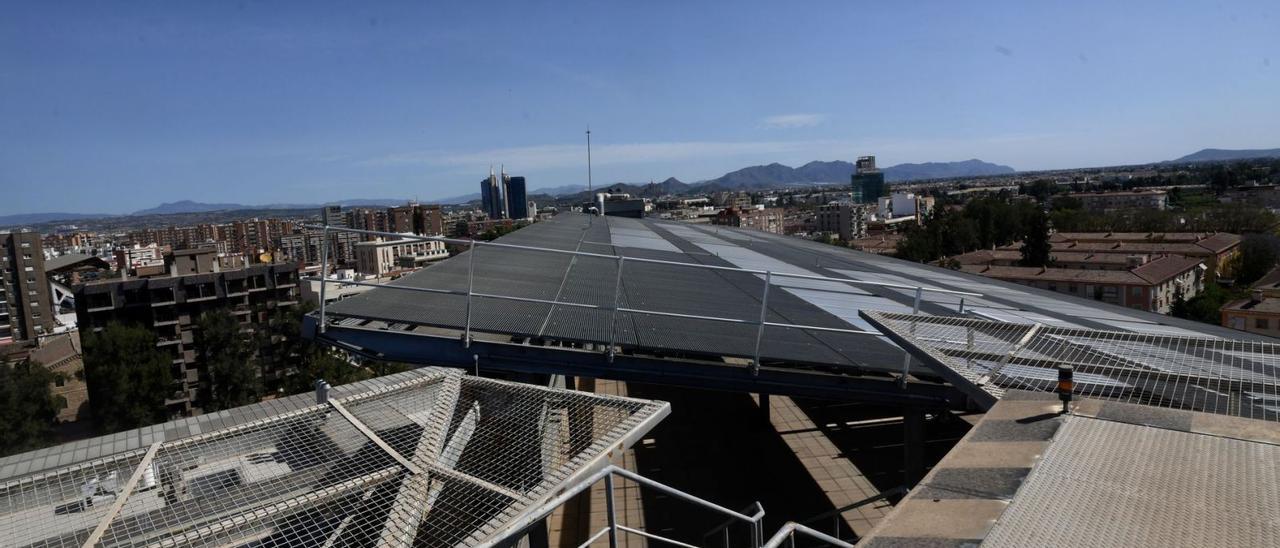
[[617, 303], [324, 271], [613, 517], [961, 307], [764, 316], [471, 276], [915, 308]]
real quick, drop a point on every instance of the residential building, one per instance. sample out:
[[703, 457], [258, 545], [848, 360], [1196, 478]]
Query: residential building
[[26, 312], [1219, 249], [61, 354], [140, 260], [868, 182], [763, 219], [513, 192], [400, 218], [380, 257], [843, 219], [428, 220], [1150, 285], [170, 307], [340, 243], [1260, 313], [904, 204], [1113, 201]]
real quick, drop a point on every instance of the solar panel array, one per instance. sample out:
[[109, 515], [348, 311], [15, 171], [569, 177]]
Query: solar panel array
[[1231, 377], [438, 460]]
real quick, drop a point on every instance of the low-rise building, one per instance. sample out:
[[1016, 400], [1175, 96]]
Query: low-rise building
[[1218, 249], [846, 220], [763, 219], [379, 257], [1260, 313], [1152, 286]]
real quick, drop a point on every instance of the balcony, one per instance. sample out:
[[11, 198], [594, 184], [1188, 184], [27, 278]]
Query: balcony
[[167, 341]]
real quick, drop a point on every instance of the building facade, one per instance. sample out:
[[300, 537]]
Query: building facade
[[514, 195], [848, 221], [764, 219], [380, 257], [1151, 285], [170, 307], [26, 311], [868, 182]]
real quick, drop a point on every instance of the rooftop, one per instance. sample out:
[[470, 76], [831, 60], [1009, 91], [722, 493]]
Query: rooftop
[[424, 458]]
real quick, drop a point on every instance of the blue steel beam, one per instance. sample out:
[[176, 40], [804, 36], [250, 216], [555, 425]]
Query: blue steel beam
[[428, 349]]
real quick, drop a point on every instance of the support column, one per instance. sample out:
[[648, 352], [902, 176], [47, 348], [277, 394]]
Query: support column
[[538, 535], [912, 445]]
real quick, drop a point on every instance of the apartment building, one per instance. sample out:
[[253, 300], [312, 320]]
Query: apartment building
[[1218, 249], [763, 219], [846, 220], [1260, 313], [26, 312], [1151, 285], [170, 306]]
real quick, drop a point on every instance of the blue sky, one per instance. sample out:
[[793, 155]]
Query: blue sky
[[117, 106]]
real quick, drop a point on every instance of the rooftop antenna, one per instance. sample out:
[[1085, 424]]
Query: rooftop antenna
[[588, 157]]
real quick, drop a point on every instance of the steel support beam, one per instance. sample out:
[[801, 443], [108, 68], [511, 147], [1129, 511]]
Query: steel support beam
[[446, 351]]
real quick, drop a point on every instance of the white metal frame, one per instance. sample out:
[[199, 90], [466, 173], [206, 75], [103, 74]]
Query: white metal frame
[[470, 293]]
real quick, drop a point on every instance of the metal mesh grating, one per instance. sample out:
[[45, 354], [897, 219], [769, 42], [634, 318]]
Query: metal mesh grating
[[438, 460], [1229, 377]]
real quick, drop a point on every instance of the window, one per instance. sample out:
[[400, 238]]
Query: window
[[1072, 288], [1136, 291], [1261, 323]]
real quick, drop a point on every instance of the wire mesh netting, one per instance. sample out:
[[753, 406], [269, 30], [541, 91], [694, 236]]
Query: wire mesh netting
[[1215, 375], [439, 460]]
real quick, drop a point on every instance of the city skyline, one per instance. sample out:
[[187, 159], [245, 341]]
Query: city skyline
[[115, 108]]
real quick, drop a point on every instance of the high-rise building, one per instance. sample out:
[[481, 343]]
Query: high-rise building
[[170, 307], [25, 311], [400, 219], [491, 197], [868, 182], [428, 220], [517, 204], [340, 243]]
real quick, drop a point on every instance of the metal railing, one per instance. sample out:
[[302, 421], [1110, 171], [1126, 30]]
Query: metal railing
[[471, 294]]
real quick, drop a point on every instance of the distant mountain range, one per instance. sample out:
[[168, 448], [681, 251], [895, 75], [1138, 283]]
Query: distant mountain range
[[748, 178], [38, 218], [1222, 155], [188, 206]]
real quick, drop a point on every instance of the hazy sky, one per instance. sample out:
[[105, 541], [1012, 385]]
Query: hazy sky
[[117, 106]]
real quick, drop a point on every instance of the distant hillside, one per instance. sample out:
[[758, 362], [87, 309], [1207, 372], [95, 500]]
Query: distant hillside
[[1221, 155], [188, 206], [558, 190], [944, 170], [776, 174], [38, 218]]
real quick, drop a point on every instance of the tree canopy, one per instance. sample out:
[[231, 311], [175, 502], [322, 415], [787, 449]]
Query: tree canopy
[[27, 408], [228, 357], [127, 376]]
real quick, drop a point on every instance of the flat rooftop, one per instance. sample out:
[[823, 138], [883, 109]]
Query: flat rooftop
[[676, 296], [1107, 474]]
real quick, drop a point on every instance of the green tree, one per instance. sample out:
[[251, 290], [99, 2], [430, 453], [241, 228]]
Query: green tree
[[1258, 255], [27, 408], [127, 376], [308, 361], [1036, 250], [228, 357]]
